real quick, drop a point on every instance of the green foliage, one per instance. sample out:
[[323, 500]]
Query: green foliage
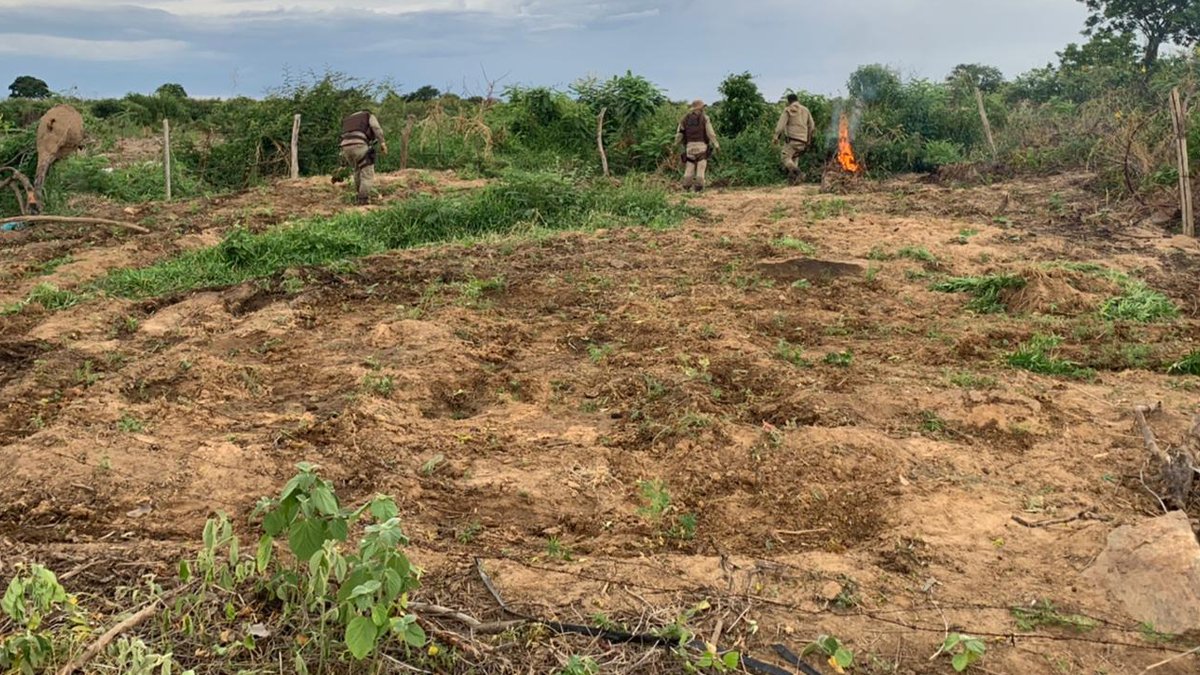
[[1038, 356], [919, 254], [50, 297], [1139, 303], [976, 75], [1159, 21], [1044, 613], [631, 100], [986, 290], [580, 665], [839, 359], [32, 602], [28, 86], [792, 353], [939, 153], [1188, 365], [366, 590], [742, 107], [964, 650], [141, 182], [656, 500], [794, 244], [520, 199], [838, 654]]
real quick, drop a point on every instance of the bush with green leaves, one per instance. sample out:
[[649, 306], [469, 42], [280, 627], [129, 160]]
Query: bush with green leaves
[[742, 106], [964, 650], [41, 622], [366, 590], [839, 656]]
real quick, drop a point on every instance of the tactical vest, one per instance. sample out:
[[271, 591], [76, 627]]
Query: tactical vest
[[358, 125], [695, 128]]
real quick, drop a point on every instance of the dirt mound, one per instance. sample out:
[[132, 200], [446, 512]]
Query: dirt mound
[[1057, 291]]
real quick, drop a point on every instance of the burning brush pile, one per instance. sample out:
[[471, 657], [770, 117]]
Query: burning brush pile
[[844, 171]]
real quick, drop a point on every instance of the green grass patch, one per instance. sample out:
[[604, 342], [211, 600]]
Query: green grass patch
[[1038, 356], [792, 353], [986, 290], [1044, 614], [794, 244], [1139, 303], [518, 200], [1188, 365], [918, 253], [50, 297]]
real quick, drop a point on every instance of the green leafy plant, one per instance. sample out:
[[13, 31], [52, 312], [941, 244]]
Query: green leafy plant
[[986, 290], [792, 353], [580, 665], [598, 352], [1038, 356], [656, 500], [365, 590], [838, 655], [839, 359], [1139, 303], [794, 244], [964, 650], [130, 424], [919, 254], [1188, 365], [34, 598], [379, 385]]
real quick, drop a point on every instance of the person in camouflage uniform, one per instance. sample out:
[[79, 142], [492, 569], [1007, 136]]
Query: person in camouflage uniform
[[796, 131], [360, 135], [699, 141]]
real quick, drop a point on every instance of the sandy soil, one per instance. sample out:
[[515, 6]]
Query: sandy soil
[[873, 501]]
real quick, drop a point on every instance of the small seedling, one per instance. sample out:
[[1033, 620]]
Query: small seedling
[[840, 359], [964, 650], [130, 424], [656, 499], [379, 385], [432, 464], [597, 353], [556, 550], [85, 376], [794, 244], [969, 380], [467, 533], [931, 423], [792, 353], [580, 665], [839, 657], [685, 527]]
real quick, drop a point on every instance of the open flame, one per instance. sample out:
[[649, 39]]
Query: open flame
[[845, 155]]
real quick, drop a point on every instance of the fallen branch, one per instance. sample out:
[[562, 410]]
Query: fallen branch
[[467, 620], [1139, 415], [111, 634], [1178, 472], [1082, 515], [66, 219], [1164, 662]]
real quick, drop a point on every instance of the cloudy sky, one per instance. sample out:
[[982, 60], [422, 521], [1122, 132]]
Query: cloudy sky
[[243, 47]]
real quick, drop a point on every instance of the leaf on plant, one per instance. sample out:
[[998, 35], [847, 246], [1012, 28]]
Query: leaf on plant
[[322, 498], [732, 660], [306, 538], [415, 635], [961, 661], [360, 637], [367, 588], [836, 668], [262, 558], [274, 522], [383, 509], [844, 657]]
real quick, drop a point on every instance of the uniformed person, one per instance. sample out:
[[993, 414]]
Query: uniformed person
[[360, 134], [796, 131], [699, 141]]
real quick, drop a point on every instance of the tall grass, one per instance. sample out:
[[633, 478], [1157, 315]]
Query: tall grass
[[545, 200]]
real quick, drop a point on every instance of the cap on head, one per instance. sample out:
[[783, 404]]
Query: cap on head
[[697, 105], [792, 98]]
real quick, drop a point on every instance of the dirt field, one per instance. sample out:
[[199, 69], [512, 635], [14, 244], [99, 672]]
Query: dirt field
[[852, 451]]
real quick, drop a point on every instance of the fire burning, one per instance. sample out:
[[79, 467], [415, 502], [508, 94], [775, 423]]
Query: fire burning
[[845, 155]]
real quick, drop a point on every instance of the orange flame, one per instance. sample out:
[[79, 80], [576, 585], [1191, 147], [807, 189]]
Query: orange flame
[[845, 155]]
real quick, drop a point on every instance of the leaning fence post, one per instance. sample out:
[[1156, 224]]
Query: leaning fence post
[[1179, 115], [296, 146], [600, 141], [987, 125], [404, 138], [167, 155]]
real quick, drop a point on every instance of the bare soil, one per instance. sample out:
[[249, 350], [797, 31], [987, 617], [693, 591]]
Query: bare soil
[[872, 500]]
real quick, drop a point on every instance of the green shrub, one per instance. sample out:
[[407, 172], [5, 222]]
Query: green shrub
[[986, 290], [1038, 356]]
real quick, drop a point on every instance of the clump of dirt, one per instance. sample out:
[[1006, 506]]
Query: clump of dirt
[[1056, 291]]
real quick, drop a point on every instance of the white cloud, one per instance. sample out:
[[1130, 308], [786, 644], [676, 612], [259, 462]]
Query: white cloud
[[53, 46]]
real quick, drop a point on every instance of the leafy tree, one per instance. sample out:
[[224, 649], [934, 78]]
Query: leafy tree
[[27, 86], [171, 89], [1159, 21], [631, 100], [743, 107], [424, 94], [987, 78], [874, 84]]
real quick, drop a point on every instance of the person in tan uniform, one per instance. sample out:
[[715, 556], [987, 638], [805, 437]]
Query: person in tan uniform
[[796, 131], [699, 141], [360, 134]]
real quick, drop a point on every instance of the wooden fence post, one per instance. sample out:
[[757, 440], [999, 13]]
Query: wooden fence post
[[408, 127], [987, 125], [1179, 115], [296, 146], [600, 140], [167, 154]]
